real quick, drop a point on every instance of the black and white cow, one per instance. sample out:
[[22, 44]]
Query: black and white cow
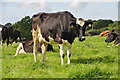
[[113, 36], [60, 27], [9, 33], [27, 47]]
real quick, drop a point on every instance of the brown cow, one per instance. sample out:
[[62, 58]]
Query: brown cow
[[105, 33]]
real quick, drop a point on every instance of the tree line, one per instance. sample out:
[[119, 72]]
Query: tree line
[[25, 26]]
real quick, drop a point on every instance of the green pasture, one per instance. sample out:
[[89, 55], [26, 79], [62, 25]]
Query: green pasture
[[90, 59]]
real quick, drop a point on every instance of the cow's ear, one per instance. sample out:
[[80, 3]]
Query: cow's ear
[[113, 30], [80, 21], [89, 24]]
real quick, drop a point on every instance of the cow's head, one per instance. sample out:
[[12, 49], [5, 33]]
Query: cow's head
[[4, 29], [81, 29], [81, 25], [111, 37]]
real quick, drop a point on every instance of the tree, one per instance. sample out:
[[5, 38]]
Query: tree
[[25, 26], [102, 23]]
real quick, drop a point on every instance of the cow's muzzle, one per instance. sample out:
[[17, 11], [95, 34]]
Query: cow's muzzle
[[82, 38], [107, 41]]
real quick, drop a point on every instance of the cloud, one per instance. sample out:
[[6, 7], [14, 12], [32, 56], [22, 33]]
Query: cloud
[[39, 4], [78, 4], [31, 3]]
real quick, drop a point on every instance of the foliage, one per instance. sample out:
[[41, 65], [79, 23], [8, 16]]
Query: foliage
[[96, 31], [102, 23], [89, 59], [115, 25], [25, 26]]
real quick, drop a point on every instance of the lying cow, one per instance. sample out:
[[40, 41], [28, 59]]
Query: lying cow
[[113, 36], [61, 28], [27, 47], [104, 33]]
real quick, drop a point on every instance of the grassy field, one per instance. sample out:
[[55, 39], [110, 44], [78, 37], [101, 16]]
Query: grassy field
[[90, 59]]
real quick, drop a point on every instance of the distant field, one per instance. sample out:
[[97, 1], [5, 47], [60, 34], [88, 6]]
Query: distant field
[[90, 59]]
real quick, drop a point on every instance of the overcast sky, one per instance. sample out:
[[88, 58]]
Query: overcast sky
[[13, 11]]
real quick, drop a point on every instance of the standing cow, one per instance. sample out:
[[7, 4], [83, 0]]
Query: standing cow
[[9, 33], [61, 28]]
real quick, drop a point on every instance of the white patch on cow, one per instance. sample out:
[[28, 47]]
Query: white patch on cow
[[80, 22], [65, 42], [61, 53], [41, 39], [83, 37], [51, 40], [1, 42], [14, 42], [44, 49], [118, 44], [35, 39], [20, 49], [68, 53]]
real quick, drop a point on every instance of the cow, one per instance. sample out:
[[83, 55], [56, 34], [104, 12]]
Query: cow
[[61, 28], [104, 33], [6, 33], [9, 33], [113, 36], [27, 47]]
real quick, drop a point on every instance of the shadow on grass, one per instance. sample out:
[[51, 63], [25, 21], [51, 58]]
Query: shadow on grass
[[105, 59]]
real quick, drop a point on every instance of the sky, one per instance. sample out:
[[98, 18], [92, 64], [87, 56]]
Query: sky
[[14, 10]]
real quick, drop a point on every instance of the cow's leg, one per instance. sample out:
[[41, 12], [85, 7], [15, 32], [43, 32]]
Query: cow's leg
[[35, 40], [7, 41], [20, 38], [68, 53], [43, 48], [62, 53], [20, 49]]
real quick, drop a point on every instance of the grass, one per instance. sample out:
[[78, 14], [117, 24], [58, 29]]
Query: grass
[[90, 59]]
